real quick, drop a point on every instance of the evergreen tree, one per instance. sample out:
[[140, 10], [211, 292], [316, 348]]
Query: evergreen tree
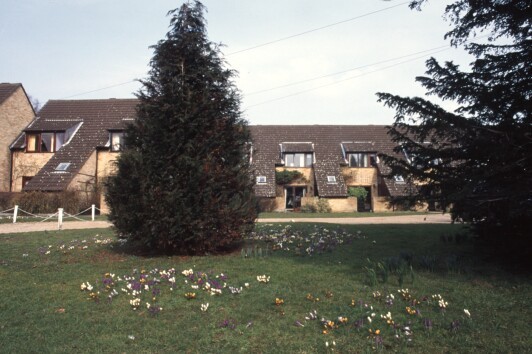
[[183, 183], [476, 159]]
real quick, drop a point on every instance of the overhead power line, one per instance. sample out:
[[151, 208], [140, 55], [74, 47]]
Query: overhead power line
[[100, 89], [261, 45], [317, 29], [427, 51], [343, 80]]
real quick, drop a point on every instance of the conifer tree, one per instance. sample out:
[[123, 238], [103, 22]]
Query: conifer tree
[[183, 183], [476, 159]]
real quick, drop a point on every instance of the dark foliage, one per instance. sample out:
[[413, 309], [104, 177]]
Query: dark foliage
[[287, 176], [183, 183], [478, 158], [36, 202]]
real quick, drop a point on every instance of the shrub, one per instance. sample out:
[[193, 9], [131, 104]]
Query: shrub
[[6, 201], [266, 204], [48, 202], [323, 206], [308, 208], [285, 176]]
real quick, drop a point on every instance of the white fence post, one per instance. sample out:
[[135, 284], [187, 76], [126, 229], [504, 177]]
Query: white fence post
[[60, 218], [93, 212], [15, 212]]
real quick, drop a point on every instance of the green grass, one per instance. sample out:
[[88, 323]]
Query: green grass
[[43, 309], [291, 215]]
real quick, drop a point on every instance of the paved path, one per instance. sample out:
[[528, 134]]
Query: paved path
[[399, 219]]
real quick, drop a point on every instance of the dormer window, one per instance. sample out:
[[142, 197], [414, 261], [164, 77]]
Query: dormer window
[[44, 142], [362, 159], [298, 159], [117, 141]]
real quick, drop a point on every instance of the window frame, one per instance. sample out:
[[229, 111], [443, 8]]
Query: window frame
[[307, 159], [331, 180], [368, 159], [261, 180], [38, 143], [121, 145]]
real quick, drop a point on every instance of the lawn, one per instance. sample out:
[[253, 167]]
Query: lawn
[[290, 289]]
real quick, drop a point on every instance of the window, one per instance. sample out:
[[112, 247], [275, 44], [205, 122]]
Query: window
[[44, 142], [261, 179], [362, 159], [63, 166], [331, 179], [399, 179], [298, 159], [117, 141]]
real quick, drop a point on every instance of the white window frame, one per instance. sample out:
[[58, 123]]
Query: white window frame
[[261, 180], [63, 166]]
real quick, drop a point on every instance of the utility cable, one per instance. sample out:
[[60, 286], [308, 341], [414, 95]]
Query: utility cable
[[262, 45], [345, 71], [317, 29], [341, 81]]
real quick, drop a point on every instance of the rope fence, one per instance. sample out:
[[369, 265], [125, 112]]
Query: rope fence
[[60, 215]]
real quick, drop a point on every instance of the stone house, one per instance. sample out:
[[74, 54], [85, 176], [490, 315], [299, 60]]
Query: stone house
[[72, 144], [16, 112], [331, 159]]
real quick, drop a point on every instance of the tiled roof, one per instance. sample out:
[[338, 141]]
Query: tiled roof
[[327, 142], [359, 146], [7, 90], [97, 117], [288, 146]]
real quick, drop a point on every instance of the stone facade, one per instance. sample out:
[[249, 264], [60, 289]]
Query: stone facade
[[106, 167], [16, 113], [26, 165]]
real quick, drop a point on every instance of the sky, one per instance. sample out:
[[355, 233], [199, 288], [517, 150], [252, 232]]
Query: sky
[[298, 61]]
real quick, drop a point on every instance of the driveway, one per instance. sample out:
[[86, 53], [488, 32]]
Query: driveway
[[399, 219]]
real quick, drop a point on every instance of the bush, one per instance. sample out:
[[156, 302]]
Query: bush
[[285, 176], [323, 206], [6, 201], [266, 205], [308, 208], [48, 202]]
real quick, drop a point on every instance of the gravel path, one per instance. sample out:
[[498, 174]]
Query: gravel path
[[399, 219]]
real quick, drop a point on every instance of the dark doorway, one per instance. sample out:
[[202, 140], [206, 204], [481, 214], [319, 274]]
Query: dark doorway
[[364, 204], [293, 196]]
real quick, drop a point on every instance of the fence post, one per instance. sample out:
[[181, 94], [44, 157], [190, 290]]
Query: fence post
[[59, 218], [15, 212], [93, 211]]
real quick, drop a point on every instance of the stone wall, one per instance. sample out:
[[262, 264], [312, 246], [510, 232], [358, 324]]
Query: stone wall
[[85, 180], [343, 205], [15, 114], [106, 168], [27, 165]]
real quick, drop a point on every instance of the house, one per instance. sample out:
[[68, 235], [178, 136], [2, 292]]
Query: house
[[331, 159], [16, 112], [71, 145]]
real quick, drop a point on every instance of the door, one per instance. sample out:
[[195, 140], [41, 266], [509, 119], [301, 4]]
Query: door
[[294, 195]]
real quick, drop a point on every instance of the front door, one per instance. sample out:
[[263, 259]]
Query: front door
[[293, 196]]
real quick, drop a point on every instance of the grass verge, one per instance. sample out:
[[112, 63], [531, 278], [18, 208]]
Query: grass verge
[[322, 268]]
